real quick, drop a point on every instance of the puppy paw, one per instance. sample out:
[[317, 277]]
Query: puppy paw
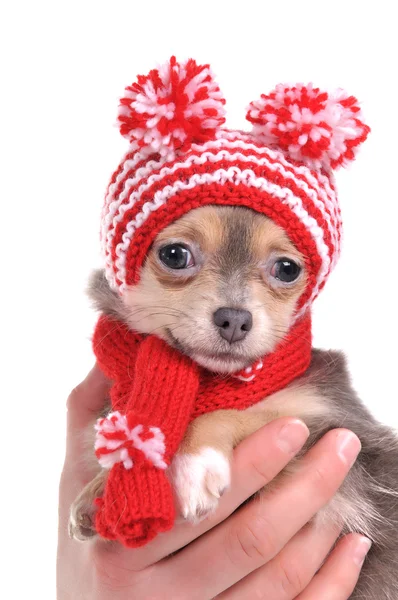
[[81, 525], [82, 513], [199, 481]]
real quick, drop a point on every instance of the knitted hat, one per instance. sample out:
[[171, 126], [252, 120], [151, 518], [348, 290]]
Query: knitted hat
[[182, 157]]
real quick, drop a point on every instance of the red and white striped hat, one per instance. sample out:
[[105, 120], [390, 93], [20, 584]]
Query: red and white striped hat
[[182, 157]]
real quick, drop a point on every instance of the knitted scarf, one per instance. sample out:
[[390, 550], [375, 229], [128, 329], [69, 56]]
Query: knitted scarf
[[156, 392]]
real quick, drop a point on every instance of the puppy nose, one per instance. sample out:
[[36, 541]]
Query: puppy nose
[[233, 324]]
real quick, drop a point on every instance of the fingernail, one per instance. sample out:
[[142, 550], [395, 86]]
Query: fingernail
[[362, 547], [348, 447], [292, 436]]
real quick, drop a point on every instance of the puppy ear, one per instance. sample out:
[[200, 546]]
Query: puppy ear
[[172, 107], [318, 128]]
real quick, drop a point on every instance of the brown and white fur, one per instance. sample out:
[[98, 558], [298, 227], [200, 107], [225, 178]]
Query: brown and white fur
[[233, 251]]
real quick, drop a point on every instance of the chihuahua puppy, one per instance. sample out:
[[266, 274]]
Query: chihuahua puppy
[[221, 284]]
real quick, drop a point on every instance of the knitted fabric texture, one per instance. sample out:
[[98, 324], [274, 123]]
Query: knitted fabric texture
[[181, 157], [156, 393]]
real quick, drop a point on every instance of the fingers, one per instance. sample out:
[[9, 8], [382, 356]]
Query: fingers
[[257, 533], [255, 466], [87, 399], [84, 405], [291, 570], [338, 577], [256, 462]]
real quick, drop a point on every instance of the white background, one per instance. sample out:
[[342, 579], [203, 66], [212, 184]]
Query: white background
[[64, 65]]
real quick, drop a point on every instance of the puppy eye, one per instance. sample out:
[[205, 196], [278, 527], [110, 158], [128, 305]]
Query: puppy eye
[[285, 270], [176, 256]]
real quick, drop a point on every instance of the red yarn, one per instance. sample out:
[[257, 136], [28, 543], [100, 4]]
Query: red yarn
[[172, 107], [138, 503], [157, 387], [220, 195], [182, 158], [311, 125]]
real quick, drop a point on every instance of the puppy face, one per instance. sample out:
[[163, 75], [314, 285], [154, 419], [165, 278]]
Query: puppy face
[[220, 284]]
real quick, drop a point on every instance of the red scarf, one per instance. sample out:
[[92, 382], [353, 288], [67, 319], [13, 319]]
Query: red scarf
[[156, 393]]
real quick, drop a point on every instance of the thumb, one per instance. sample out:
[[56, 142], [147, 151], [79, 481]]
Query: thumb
[[84, 405], [87, 400]]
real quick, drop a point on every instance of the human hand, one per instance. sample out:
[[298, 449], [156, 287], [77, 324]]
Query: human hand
[[263, 550]]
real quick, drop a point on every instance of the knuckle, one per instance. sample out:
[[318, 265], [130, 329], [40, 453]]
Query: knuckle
[[290, 579], [104, 573], [251, 541], [75, 397], [110, 572], [322, 480], [260, 471]]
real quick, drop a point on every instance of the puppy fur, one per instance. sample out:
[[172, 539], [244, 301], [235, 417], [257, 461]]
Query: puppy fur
[[232, 248]]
